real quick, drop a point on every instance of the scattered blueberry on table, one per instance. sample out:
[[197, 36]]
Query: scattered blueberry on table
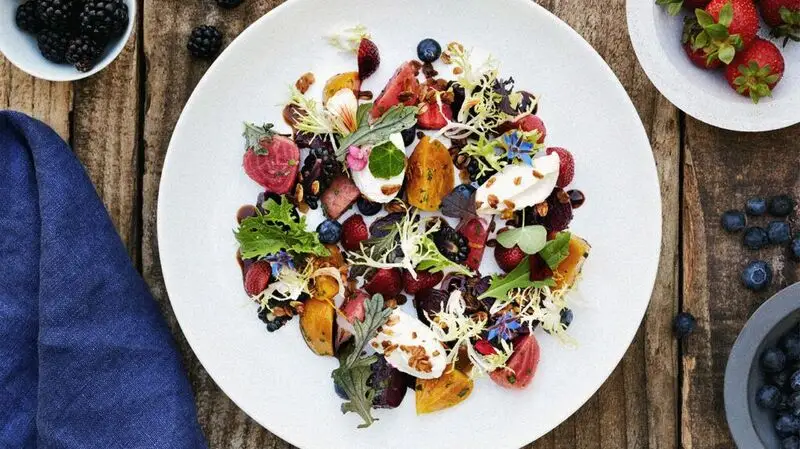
[[684, 324], [756, 207], [779, 232], [228, 4], [733, 221], [755, 238], [781, 206], [795, 248], [757, 275]]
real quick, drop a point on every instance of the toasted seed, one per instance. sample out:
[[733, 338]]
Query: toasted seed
[[315, 187], [518, 180], [493, 200], [542, 208], [537, 174], [457, 70], [298, 193], [304, 82]]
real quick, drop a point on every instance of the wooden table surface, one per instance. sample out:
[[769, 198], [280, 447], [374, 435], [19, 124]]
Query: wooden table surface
[[662, 395]]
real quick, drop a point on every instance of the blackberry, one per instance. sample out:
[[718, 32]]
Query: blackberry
[[56, 14], [228, 4], [53, 45], [473, 168], [367, 207], [204, 42], [83, 53], [27, 19], [331, 167], [102, 19], [451, 244]]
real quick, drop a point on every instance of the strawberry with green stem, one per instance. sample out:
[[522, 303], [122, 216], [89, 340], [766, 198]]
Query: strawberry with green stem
[[727, 26], [756, 71], [783, 16], [674, 6]]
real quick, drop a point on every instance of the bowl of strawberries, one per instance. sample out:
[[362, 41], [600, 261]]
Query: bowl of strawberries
[[729, 63]]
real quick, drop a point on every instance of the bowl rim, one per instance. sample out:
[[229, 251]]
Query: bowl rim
[[741, 358], [76, 75]]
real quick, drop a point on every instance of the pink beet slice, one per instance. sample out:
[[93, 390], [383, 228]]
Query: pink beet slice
[[521, 367], [339, 196], [274, 165], [403, 80]]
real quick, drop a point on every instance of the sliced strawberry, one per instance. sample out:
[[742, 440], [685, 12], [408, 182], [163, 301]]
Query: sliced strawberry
[[566, 171], [425, 279], [351, 310], [508, 258], [403, 87], [368, 58], [257, 277], [434, 116], [484, 347], [339, 196], [273, 162], [354, 231], [521, 367], [476, 233], [527, 124], [386, 281]]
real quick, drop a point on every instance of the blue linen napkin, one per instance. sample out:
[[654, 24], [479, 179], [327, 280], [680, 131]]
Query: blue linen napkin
[[86, 360]]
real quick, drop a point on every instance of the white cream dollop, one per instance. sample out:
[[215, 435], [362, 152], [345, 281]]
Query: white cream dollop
[[518, 186], [410, 346], [380, 190]]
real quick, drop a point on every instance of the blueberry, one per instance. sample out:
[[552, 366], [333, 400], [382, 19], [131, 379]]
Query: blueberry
[[790, 343], [779, 232], [794, 381], [780, 379], [566, 317], [330, 231], [409, 134], [733, 221], [683, 324], [756, 206], [768, 397], [793, 403], [787, 424], [757, 275], [781, 205], [367, 207], [791, 442], [428, 50], [795, 248], [773, 360], [755, 238], [464, 190]]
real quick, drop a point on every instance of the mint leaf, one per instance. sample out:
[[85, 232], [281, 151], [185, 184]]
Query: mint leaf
[[275, 230], [396, 119], [386, 161], [354, 368], [556, 250], [531, 239], [519, 277]]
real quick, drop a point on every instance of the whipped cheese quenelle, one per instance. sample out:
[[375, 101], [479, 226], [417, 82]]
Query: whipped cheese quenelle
[[410, 346], [376, 189], [518, 186]]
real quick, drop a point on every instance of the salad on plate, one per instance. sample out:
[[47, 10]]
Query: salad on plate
[[422, 187]]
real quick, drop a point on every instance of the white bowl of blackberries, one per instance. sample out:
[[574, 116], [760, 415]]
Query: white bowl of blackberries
[[64, 40], [764, 224]]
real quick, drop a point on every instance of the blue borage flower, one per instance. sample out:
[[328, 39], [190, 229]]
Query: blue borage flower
[[278, 261], [504, 327], [520, 146]]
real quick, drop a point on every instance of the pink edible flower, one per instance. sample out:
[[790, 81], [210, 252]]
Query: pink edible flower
[[357, 158]]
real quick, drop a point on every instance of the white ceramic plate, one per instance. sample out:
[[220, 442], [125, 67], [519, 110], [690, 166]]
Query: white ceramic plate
[[274, 377], [704, 94], [21, 49]]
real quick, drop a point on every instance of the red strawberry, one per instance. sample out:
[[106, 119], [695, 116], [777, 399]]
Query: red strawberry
[[425, 279], [674, 6], [368, 58], [257, 277], [566, 170], [527, 123], [783, 16], [521, 367], [484, 347], [698, 56], [354, 231], [508, 258], [403, 87], [271, 160], [757, 70], [386, 281], [740, 23], [339, 196], [352, 309], [476, 233], [434, 117], [694, 4], [539, 268]]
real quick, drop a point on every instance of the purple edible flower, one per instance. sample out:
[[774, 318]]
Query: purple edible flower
[[503, 327]]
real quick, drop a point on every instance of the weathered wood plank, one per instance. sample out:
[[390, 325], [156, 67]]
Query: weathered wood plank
[[45, 100], [723, 169], [105, 137], [171, 77]]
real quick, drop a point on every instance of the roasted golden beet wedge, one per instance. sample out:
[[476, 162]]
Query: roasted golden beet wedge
[[316, 325], [570, 268], [430, 174], [452, 388]]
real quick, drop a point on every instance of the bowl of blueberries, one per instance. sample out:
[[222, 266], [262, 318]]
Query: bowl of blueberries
[[762, 378], [64, 40]]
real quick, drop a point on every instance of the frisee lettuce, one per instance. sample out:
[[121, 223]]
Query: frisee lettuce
[[355, 368], [274, 230]]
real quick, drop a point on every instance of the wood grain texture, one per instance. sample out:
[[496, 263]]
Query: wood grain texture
[[171, 75], [722, 170]]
